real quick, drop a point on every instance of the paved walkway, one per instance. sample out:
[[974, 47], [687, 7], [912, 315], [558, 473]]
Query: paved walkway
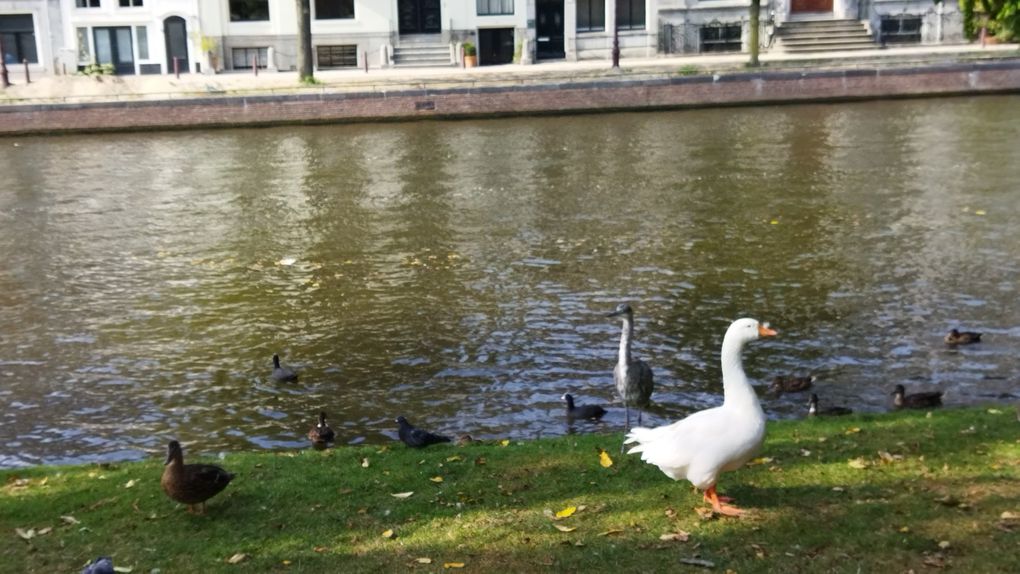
[[68, 89]]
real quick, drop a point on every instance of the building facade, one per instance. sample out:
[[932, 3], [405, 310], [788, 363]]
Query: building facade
[[203, 36]]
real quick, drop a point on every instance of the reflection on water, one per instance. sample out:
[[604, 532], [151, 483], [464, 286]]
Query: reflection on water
[[459, 273]]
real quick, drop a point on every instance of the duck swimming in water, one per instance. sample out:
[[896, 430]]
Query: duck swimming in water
[[588, 412], [956, 337], [925, 400]]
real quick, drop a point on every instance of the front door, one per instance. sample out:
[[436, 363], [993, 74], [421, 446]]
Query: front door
[[113, 46], [810, 6], [419, 17], [549, 30], [176, 44]]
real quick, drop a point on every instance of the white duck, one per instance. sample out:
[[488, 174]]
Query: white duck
[[712, 441]]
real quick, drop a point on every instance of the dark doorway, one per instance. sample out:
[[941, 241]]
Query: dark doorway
[[113, 46], [495, 46], [176, 32], [549, 30], [419, 17]]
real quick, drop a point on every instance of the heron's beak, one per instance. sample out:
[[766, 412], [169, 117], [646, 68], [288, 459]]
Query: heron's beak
[[765, 331]]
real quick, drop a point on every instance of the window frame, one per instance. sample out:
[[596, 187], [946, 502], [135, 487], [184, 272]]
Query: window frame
[[590, 13], [22, 38], [315, 10], [131, 3], [629, 7], [333, 58], [500, 9], [262, 56], [87, 4], [249, 4]]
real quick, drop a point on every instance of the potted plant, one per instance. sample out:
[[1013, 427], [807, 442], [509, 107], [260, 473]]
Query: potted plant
[[470, 55]]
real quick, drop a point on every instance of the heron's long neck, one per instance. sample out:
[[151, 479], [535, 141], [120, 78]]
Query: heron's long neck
[[737, 390], [625, 338]]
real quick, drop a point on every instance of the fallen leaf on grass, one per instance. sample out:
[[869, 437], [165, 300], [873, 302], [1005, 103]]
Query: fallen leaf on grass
[[320, 549], [905, 529], [853, 430], [703, 512], [562, 528], [604, 459], [423, 560], [611, 532], [680, 536], [402, 494], [238, 558], [364, 463], [698, 562], [123, 569], [858, 463], [453, 565], [131, 483], [761, 460], [504, 442], [25, 534], [436, 479], [566, 512], [454, 458], [388, 533]]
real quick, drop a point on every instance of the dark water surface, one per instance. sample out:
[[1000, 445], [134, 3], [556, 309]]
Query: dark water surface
[[459, 273]]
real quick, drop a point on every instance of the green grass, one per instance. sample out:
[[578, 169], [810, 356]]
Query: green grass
[[947, 479]]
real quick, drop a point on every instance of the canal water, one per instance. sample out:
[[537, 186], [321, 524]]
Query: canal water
[[459, 273]]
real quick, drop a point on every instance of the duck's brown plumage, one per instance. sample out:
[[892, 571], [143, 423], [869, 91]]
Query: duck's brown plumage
[[321, 433], [191, 484], [791, 384], [956, 337]]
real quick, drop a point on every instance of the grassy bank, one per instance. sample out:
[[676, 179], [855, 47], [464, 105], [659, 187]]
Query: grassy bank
[[883, 493]]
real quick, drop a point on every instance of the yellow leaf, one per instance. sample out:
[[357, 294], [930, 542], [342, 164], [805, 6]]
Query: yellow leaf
[[453, 564], [320, 549], [454, 458], [990, 411], [905, 529], [364, 463], [44, 531], [562, 528], [131, 483], [761, 460], [424, 560], [436, 479], [238, 558], [286, 562], [388, 533], [123, 569], [70, 520], [853, 430], [504, 442], [677, 536], [611, 532], [774, 222], [858, 462], [402, 494], [979, 212], [566, 512], [604, 459]]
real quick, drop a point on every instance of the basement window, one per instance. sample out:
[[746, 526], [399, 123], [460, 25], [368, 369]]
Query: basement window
[[720, 38], [901, 29], [337, 56], [244, 58]]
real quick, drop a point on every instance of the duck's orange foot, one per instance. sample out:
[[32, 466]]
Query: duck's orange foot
[[717, 503]]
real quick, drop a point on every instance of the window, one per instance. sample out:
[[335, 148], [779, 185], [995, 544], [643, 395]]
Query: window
[[334, 9], [84, 54], [901, 29], [249, 10], [246, 57], [591, 15], [142, 34], [630, 14], [86, 3], [495, 7], [130, 3], [18, 32], [721, 38], [337, 56]]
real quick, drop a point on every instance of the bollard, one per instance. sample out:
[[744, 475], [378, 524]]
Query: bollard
[[177, 68], [28, 79], [365, 56], [255, 66], [4, 80]]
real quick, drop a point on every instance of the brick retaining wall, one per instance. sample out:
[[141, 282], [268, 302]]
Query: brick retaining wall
[[664, 92]]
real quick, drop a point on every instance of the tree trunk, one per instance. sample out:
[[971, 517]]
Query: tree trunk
[[304, 48], [753, 39]]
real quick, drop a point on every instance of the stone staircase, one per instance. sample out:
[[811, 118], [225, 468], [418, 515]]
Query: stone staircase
[[427, 51], [823, 36]]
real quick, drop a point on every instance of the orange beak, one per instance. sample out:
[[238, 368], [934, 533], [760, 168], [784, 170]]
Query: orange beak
[[764, 331]]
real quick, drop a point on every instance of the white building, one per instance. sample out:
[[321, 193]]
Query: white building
[[191, 36]]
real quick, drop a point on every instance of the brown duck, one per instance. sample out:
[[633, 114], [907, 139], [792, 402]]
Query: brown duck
[[791, 384], [955, 337], [321, 434], [191, 484], [926, 400]]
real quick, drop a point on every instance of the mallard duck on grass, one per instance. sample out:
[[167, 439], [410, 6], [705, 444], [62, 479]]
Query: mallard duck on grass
[[583, 412], [813, 409], [191, 484], [710, 442], [926, 400], [320, 434], [956, 337], [791, 384]]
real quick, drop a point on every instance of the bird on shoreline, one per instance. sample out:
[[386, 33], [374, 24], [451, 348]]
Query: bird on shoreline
[[929, 399], [282, 374], [321, 434], [791, 384], [813, 409], [955, 337], [191, 484], [712, 441], [415, 437], [633, 377], [587, 412]]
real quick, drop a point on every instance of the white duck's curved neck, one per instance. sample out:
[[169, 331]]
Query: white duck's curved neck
[[737, 391], [625, 340]]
